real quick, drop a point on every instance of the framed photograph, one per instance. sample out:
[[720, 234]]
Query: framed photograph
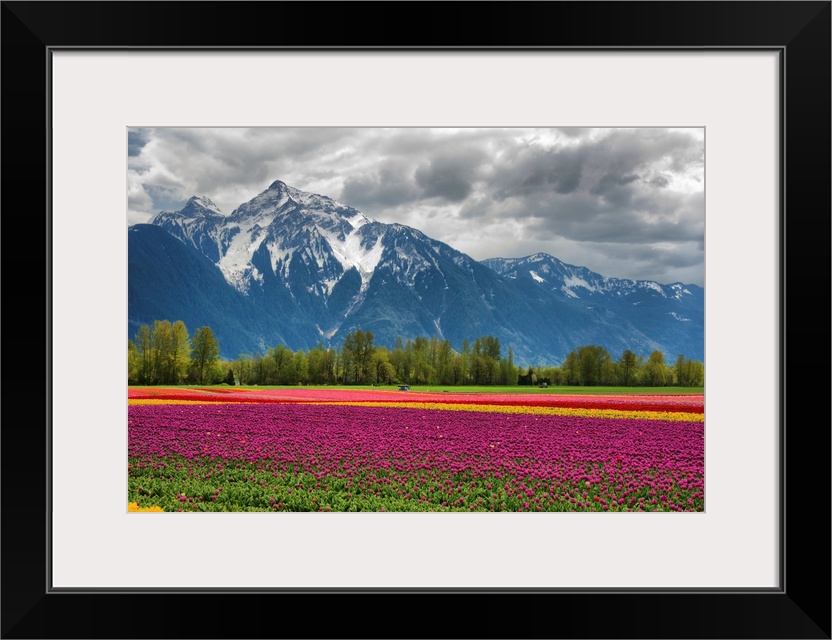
[[89, 85], [426, 353]]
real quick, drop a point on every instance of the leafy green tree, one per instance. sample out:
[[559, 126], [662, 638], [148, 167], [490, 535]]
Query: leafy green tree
[[397, 358], [132, 363], [628, 367], [242, 369], [144, 350], [349, 358], [321, 365], [205, 355], [695, 373], [679, 371], [655, 372], [508, 372], [161, 353], [444, 363], [571, 370], [555, 375], [178, 356], [356, 354], [593, 365], [433, 360], [315, 364], [589, 365], [420, 371], [490, 347], [465, 362], [382, 371], [169, 348], [485, 360], [457, 369], [162, 350], [688, 373], [366, 348], [263, 369], [300, 368], [283, 367]]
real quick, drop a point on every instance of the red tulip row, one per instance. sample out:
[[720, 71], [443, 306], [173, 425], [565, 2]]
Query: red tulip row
[[662, 403]]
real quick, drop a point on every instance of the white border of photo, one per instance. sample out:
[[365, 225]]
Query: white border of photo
[[98, 95]]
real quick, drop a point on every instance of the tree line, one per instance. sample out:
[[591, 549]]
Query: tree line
[[417, 361], [592, 365], [163, 354]]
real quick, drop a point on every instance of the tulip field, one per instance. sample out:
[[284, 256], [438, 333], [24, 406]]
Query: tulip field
[[343, 450]]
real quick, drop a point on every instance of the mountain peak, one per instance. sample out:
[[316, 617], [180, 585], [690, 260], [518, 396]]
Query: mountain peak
[[279, 191], [278, 187], [280, 198], [537, 257], [200, 205]]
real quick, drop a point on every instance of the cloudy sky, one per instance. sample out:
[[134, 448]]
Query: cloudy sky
[[627, 203]]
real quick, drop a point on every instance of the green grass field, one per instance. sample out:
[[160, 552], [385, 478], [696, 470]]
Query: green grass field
[[566, 390]]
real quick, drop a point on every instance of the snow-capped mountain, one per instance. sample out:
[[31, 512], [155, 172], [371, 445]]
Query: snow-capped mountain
[[277, 224], [671, 315], [579, 282], [311, 269]]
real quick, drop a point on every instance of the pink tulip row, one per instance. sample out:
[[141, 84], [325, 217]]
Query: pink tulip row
[[588, 463]]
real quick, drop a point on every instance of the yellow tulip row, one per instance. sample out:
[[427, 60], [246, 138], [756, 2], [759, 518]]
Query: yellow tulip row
[[134, 506], [543, 411]]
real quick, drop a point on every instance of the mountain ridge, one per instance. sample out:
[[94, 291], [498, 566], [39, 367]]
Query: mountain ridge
[[325, 269]]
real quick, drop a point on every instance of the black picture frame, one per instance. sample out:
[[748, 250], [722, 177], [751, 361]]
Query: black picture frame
[[799, 31]]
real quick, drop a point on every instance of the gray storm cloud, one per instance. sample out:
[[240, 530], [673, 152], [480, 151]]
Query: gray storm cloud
[[623, 202]]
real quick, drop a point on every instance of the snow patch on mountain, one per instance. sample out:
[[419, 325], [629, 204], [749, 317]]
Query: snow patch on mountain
[[679, 290], [573, 281], [438, 328], [353, 252], [236, 263], [358, 220], [414, 264], [280, 257], [654, 286], [536, 277]]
